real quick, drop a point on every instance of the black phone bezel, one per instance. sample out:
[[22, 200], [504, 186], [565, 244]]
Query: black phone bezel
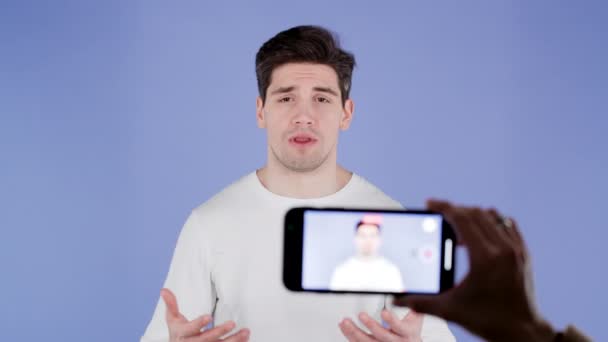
[[293, 242]]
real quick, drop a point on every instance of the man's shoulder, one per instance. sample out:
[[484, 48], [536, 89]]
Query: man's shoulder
[[371, 195], [220, 211], [235, 194]]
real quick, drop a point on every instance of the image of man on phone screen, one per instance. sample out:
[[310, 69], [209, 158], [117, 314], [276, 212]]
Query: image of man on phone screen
[[367, 270]]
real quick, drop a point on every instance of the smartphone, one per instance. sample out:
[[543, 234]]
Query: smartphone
[[337, 250]]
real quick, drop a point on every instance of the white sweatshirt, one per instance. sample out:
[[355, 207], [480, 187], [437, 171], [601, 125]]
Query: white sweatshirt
[[228, 262]]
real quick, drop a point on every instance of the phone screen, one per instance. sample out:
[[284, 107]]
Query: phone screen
[[384, 252]]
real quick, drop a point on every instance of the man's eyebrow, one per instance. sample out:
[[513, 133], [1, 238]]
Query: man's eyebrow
[[283, 90], [326, 90]]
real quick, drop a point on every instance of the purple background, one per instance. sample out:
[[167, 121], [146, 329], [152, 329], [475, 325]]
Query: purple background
[[118, 117]]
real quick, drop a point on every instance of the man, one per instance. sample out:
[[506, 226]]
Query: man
[[227, 263], [367, 269]]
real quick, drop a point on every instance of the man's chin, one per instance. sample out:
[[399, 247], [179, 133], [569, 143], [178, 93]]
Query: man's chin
[[308, 164], [297, 162]]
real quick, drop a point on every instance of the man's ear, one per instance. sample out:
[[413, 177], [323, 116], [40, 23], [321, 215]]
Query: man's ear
[[259, 112], [347, 114]]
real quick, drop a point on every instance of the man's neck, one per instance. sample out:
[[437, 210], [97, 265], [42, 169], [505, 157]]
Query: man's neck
[[321, 182]]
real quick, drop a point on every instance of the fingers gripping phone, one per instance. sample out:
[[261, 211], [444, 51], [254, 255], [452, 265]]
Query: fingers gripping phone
[[337, 250]]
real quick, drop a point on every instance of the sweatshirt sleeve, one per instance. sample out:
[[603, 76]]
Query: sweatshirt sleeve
[[189, 278]]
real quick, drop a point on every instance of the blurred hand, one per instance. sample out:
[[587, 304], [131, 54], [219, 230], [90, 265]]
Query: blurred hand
[[495, 300], [406, 329], [180, 329]]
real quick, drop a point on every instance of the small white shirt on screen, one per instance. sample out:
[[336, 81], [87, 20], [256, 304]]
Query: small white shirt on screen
[[367, 274]]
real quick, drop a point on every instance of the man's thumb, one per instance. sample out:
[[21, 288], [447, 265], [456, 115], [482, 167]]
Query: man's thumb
[[170, 302]]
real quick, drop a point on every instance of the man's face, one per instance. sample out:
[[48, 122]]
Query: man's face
[[303, 114], [367, 240]]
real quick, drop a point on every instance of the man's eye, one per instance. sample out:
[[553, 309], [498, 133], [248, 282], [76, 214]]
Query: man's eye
[[323, 99], [285, 99]]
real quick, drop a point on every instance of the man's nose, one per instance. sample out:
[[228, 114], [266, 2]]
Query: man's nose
[[303, 115]]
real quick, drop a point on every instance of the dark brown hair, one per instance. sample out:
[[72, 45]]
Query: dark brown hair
[[304, 44], [363, 223]]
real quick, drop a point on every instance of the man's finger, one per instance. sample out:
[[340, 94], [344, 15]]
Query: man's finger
[[442, 207], [511, 233], [467, 231], [438, 205], [240, 336], [217, 332], [402, 328], [516, 234], [486, 226], [400, 301], [519, 243], [496, 226], [379, 332], [194, 327], [353, 333], [171, 303], [413, 318]]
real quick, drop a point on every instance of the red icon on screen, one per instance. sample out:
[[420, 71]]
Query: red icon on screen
[[426, 254]]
